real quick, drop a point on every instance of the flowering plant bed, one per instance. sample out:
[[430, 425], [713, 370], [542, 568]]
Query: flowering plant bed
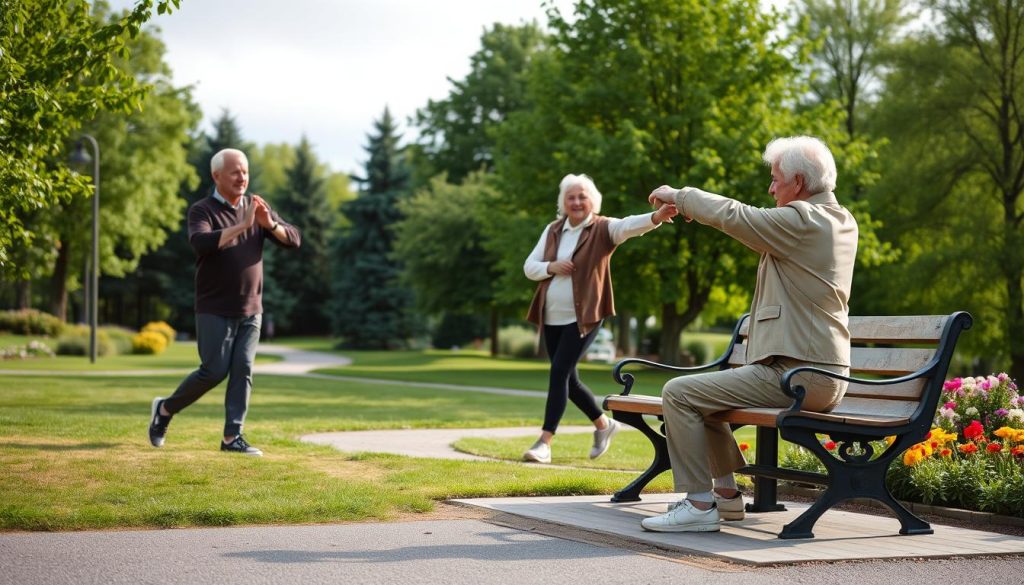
[[973, 458]]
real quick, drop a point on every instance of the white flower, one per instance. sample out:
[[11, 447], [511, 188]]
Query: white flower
[[1015, 416], [971, 411]]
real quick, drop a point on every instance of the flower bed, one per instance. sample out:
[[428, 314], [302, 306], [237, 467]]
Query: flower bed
[[973, 458]]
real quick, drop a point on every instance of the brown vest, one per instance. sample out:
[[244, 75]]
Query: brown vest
[[591, 277]]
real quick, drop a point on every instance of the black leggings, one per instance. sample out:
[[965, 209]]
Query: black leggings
[[566, 348]]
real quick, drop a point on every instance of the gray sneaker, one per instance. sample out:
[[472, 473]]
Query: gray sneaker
[[539, 453], [603, 438]]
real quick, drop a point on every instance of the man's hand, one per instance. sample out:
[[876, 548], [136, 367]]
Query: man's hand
[[560, 267], [662, 195], [262, 211]]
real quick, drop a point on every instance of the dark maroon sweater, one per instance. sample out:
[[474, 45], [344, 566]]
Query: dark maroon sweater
[[229, 280]]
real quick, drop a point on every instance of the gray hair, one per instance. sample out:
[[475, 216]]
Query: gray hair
[[217, 162], [806, 156], [571, 180]]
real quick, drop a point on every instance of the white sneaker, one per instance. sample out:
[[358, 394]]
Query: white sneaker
[[540, 452], [684, 517], [603, 438], [728, 508]]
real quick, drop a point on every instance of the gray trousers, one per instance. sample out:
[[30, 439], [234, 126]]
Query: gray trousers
[[701, 450], [227, 349]]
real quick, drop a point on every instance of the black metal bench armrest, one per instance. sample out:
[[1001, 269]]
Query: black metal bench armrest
[[627, 380]]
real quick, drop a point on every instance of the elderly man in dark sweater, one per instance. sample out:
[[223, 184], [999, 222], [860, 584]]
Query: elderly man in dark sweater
[[226, 230]]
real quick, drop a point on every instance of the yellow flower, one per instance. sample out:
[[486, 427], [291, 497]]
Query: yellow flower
[[890, 440], [911, 457], [1005, 432]]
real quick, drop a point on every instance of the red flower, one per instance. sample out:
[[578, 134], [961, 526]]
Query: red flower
[[744, 446], [830, 445], [974, 430], [945, 452], [994, 447], [1018, 451], [968, 448]]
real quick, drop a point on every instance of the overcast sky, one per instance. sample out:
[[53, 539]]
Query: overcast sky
[[326, 68]]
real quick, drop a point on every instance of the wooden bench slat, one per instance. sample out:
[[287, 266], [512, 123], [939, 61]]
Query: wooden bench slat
[[634, 403], [903, 391], [873, 407], [867, 360], [889, 329]]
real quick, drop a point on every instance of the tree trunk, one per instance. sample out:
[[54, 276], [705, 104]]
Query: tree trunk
[[1015, 316], [23, 290], [494, 331], [671, 327], [623, 336], [59, 284]]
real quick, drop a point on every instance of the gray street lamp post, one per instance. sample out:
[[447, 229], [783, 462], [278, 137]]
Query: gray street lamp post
[[81, 157]]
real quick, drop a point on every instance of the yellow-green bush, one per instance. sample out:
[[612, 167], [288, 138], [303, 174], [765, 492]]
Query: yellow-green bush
[[30, 322], [162, 328], [75, 341], [148, 342]]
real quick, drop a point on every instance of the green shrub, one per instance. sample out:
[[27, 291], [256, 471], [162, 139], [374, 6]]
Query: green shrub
[[30, 322], [148, 342], [700, 351], [75, 341], [162, 328], [517, 341], [120, 337]]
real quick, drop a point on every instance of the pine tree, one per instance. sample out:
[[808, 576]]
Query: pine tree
[[371, 309], [295, 291]]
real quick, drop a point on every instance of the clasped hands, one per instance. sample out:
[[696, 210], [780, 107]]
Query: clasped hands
[[258, 212]]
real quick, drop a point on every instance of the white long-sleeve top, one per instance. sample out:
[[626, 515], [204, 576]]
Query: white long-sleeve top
[[559, 305]]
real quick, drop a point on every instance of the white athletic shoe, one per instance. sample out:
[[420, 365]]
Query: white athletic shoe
[[728, 508], [603, 438], [540, 453], [684, 517]]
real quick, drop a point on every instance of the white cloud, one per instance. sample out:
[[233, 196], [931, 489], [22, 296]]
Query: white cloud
[[326, 68]]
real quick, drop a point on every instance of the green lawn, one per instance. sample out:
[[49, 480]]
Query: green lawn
[[74, 452]]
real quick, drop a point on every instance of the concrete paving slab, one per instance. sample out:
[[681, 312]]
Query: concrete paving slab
[[839, 535]]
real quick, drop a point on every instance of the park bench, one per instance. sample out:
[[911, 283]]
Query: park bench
[[906, 359]]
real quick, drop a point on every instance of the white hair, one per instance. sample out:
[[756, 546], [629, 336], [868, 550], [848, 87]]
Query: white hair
[[217, 162], [571, 180], [806, 156]]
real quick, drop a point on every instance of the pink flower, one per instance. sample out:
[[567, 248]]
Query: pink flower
[[953, 384], [950, 405]]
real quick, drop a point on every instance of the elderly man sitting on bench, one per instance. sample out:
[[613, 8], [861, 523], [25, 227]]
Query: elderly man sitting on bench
[[799, 317]]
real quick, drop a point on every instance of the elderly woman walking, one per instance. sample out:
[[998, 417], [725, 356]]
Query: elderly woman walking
[[574, 296]]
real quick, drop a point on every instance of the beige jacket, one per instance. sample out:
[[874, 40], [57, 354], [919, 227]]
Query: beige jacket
[[808, 247]]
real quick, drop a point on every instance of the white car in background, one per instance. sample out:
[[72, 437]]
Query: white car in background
[[603, 348]]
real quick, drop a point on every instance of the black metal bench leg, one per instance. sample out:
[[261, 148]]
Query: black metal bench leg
[[661, 463], [766, 491], [847, 480]]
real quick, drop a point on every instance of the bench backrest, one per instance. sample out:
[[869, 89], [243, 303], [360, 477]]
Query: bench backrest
[[889, 347]]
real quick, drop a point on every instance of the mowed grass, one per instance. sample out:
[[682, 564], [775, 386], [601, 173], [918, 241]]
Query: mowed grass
[[74, 454]]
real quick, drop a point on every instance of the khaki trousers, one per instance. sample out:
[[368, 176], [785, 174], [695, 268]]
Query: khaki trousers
[[701, 450]]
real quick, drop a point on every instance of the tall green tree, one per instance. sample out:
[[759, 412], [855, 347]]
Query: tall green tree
[[57, 71], [456, 133], [955, 173], [371, 307], [299, 301], [640, 93], [143, 160], [853, 37], [440, 243]]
